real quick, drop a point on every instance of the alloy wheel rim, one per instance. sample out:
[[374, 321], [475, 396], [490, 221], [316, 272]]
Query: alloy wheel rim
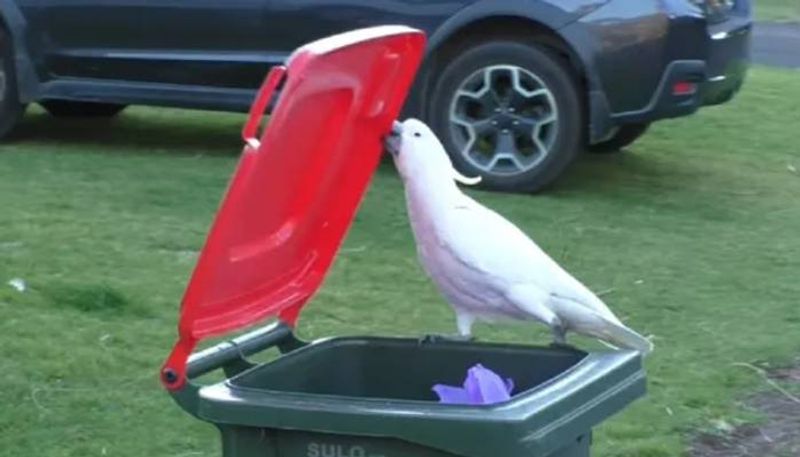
[[504, 120]]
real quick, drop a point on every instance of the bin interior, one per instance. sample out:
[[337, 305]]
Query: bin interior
[[401, 369]]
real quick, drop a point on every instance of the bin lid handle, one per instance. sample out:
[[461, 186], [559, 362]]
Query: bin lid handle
[[259, 106]]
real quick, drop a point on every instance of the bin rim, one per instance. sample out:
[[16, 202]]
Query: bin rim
[[596, 387], [319, 343]]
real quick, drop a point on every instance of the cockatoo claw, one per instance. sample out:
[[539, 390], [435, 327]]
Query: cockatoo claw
[[560, 338]]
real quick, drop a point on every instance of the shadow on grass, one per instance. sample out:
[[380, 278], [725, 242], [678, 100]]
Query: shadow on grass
[[591, 170], [187, 132], [140, 131], [602, 175], [630, 170]]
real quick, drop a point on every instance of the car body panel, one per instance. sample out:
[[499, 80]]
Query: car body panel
[[211, 54]]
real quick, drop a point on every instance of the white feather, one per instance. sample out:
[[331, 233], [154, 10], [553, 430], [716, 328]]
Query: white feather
[[484, 265]]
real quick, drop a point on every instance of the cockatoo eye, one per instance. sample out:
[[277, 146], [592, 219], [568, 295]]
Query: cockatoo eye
[[417, 134]]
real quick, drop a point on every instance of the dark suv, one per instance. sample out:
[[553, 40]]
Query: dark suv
[[514, 88]]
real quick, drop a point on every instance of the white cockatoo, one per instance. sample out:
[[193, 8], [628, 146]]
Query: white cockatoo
[[484, 266]]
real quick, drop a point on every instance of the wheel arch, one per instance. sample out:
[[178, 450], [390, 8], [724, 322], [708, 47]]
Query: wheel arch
[[541, 21]]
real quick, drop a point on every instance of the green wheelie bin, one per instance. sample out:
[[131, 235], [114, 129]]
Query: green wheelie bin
[[283, 217]]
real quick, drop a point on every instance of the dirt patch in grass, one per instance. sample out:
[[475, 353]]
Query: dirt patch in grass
[[99, 299], [777, 436]]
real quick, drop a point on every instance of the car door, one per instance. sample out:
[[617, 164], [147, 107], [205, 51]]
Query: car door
[[220, 43], [291, 23], [195, 42], [79, 38]]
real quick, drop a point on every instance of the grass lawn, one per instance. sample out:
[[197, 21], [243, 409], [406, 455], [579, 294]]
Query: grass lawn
[[695, 230], [777, 10]]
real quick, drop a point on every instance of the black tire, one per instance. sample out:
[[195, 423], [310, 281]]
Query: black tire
[[11, 109], [68, 108], [551, 70], [624, 137]]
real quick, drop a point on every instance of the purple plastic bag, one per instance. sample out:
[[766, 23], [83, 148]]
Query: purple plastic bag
[[481, 387]]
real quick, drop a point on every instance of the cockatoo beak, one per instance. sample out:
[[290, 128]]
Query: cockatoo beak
[[397, 128], [393, 140], [465, 180]]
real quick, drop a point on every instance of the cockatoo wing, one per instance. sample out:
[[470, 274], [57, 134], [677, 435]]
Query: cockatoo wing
[[487, 242], [587, 321], [500, 259]]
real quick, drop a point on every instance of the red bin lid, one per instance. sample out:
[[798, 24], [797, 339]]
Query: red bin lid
[[295, 191]]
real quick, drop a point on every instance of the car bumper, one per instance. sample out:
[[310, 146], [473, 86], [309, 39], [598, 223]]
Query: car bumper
[[718, 74], [728, 60]]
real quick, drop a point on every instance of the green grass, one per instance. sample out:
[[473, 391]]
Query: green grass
[[777, 10], [695, 230]]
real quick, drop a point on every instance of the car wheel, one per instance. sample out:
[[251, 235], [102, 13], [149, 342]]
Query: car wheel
[[11, 110], [624, 136], [510, 112], [67, 108]]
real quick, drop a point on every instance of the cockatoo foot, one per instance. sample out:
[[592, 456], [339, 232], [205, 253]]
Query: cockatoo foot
[[431, 339], [560, 339], [562, 345]]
